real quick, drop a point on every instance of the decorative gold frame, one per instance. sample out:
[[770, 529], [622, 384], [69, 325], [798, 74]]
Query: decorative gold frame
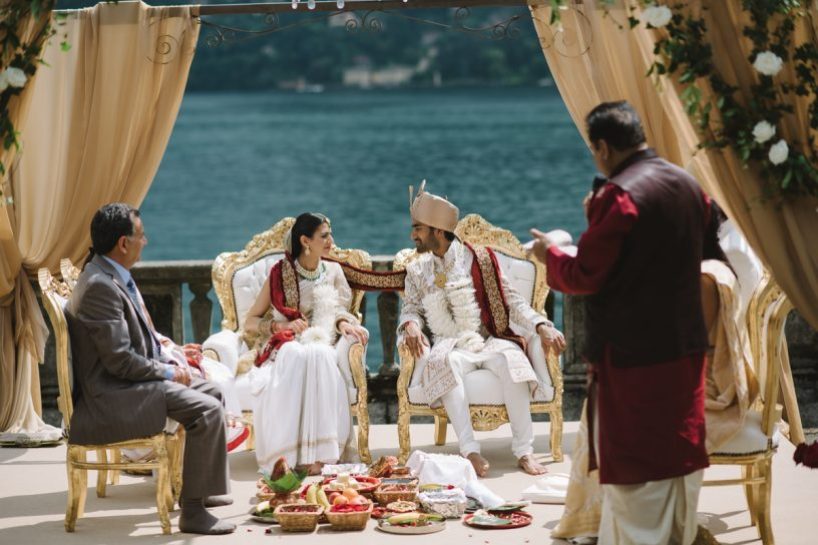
[[168, 448], [766, 318], [272, 242], [476, 230]]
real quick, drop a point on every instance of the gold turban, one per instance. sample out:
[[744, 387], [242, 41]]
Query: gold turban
[[432, 210]]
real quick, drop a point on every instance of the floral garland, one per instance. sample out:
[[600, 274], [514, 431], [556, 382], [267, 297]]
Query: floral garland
[[20, 60], [322, 319], [750, 129], [453, 313]]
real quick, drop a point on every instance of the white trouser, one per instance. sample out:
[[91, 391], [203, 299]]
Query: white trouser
[[515, 396], [651, 513]]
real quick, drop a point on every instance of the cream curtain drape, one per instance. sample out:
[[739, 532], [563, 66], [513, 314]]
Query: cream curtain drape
[[99, 119], [594, 56]]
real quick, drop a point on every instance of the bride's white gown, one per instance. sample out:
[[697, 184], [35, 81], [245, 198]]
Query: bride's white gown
[[301, 398]]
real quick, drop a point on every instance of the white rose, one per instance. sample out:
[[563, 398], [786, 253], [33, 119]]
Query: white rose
[[15, 76], [763, 131], [779, 152], [768, 63], [657, 16], [4, 82]]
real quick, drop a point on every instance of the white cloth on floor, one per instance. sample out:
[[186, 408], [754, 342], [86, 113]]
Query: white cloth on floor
[[454, 470], [552, 488]]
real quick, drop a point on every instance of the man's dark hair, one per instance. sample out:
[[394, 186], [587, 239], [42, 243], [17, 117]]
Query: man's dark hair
[[111, 222], [449, 235], [617, 123]]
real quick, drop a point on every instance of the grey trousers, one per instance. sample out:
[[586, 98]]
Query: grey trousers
[[200, 409]]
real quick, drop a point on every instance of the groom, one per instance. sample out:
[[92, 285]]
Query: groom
[[469, 305]]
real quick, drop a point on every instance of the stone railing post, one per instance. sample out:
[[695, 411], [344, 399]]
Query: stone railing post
[[201, 311]]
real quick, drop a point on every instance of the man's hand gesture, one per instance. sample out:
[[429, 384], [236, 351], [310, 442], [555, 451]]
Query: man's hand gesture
[[551, 338], [414, 339]]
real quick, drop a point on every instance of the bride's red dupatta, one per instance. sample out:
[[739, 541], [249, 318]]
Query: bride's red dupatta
[[285, 295]]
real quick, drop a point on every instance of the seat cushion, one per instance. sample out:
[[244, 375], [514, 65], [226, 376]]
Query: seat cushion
[[482, 388], [749, 440], [248, 281], [521, 273]]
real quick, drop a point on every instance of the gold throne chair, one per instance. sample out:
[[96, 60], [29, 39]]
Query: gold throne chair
[[484, 391], [238, 278]]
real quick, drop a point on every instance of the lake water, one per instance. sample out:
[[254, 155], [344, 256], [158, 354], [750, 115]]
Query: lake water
[[237, 163]]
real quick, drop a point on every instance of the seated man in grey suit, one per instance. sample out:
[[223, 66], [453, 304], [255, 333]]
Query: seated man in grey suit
[[123, 389]]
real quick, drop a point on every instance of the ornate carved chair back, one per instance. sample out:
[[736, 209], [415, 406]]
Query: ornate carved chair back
[[55, 297], [69, 272]]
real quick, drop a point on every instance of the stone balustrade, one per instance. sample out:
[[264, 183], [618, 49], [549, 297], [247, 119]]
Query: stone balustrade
[[187, 315]]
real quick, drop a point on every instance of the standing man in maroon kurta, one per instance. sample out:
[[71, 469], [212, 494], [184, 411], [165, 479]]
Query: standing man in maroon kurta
[[639, 264]]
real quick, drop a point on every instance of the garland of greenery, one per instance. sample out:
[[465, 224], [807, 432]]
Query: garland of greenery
[[19, 60], [683, 52]]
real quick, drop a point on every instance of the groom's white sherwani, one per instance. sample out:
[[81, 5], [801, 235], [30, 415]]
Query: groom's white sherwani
[[462, 344]]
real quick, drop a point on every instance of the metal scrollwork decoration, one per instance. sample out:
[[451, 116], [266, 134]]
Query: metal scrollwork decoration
[[370, 21], [367, 23], [166, 47], [571, 36]]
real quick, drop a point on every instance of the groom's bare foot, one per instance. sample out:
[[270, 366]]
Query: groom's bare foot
[[480, 464], [531, 466]]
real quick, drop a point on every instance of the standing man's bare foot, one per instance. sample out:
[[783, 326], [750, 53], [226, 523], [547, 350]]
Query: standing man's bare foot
[[480, 464], [531, 466]]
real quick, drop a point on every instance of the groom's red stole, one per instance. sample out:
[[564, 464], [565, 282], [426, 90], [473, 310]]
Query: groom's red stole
[[285, 295], [488, 289]]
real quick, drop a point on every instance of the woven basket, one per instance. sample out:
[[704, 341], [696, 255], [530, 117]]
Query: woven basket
[[385, 497], [298, 522], [349, 521]]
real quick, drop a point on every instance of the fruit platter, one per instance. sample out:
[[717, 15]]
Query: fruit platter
[[497, 520], [364, 484], [412, 523], [264, 513]]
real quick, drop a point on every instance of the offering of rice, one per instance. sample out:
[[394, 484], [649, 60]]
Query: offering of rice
[[448, 502]]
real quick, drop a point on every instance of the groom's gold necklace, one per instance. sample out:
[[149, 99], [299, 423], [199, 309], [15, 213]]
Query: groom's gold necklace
[[442, 277]]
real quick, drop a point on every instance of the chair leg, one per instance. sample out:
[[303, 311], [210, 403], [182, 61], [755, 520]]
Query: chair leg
[[102, 474], [404, 440], [73, 509], [765, 529], [116, 454], [176, 450], [556, 435], [748, 472], [163, 492], [441, 423], [363, 433]]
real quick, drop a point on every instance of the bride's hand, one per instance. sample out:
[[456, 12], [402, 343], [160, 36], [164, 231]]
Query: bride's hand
[[354, 333], [298, 326]]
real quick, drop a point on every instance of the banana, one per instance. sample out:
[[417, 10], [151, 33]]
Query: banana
[[312, 493], [321, 496]]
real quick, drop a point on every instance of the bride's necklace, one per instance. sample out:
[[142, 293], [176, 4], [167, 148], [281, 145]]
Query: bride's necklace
[[307, 274]]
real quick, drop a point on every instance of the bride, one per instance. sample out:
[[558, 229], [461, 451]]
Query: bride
[[302, 330]]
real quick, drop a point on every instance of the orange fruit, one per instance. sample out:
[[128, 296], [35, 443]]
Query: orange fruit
[[340, 500], [350, 493]]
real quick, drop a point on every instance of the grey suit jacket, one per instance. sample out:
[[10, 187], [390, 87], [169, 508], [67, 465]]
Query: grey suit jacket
[[119, 386]]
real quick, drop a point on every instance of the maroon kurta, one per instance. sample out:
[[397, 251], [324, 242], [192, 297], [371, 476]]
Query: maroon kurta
[[650, 418]]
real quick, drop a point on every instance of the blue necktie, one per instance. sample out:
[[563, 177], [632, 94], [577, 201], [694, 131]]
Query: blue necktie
[[138, 304]]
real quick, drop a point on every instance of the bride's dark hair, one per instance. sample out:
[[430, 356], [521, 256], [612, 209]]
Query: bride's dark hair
[[306, 224]]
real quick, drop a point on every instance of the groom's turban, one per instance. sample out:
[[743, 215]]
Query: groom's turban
[[432, 210]]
